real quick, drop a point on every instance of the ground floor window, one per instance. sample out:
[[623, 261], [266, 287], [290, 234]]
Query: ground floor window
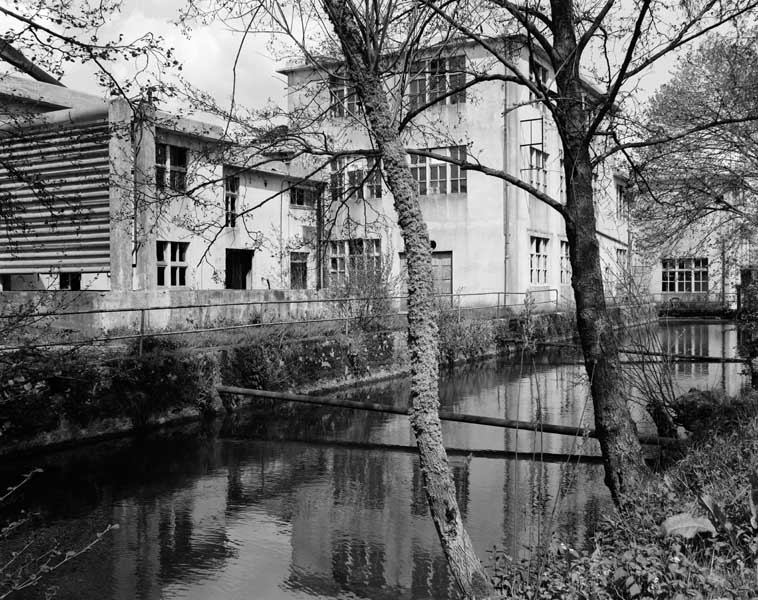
[[684, 275], [565, 264], [538, 260], [70, 281], [172, 263], [298, 270], [442, 272], [352, 257]]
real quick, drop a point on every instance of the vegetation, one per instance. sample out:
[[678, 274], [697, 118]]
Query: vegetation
[[631, 556]]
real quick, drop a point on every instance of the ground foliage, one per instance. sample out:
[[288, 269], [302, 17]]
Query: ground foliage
[[629, 555]]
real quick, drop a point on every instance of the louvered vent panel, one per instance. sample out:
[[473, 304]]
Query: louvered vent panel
[[54, 209]]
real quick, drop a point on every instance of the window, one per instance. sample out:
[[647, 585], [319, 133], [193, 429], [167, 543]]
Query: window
[[620, 201], [172, 263], [538, 168], [538, 76], [458, 182], [621, 258], [374, 179], [432, 79], [298, 270], [353, 256], [538, 260], [343, 98], [418, 172], [355, 179], [434, 176], [170, 167], [562, 184], [337, 178], [231, 193], [684, 275], [70, 281], [565, 264], [303, 197]]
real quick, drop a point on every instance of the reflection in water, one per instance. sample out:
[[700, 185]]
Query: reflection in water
[[265, 505]]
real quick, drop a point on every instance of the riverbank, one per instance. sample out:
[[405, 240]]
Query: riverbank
[[54, 398], [691, 532]]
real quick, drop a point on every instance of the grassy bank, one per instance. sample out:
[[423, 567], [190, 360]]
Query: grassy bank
[[711, 548]]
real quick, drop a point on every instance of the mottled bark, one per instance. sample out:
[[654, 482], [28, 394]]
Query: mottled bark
[[422, 328], [622, 453]]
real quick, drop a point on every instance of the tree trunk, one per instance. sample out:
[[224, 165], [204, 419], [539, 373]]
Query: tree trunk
[[422, 328], [622, 453]]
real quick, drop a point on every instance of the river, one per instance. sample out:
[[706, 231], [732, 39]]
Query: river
[[330, 504]]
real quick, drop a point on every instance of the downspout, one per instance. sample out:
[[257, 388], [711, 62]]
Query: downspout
[[506, 224]]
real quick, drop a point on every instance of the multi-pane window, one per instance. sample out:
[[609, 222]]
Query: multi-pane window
[[562, 184], [621, 256], [298, 270], [538, 168], [171, 259], [434, 176], [303, 197], [458, 183], [231, 195], [353, 256], [70, 281], [538, 77], [343, 98], [374, 179], [684, 275], [355, 179], [337, 178], [538, 260], [418, 172], [170, 167], [432, 79], [620, 201], [565, 264]]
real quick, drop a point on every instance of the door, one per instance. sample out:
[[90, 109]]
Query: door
[[239, 269]]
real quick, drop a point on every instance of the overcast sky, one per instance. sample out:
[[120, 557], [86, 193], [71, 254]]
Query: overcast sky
[[208, 57]]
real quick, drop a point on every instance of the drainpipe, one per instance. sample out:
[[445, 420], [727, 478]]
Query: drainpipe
[[506, 224], [723, 274]]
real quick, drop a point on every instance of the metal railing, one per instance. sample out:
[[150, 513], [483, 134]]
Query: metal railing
[[335, 311]]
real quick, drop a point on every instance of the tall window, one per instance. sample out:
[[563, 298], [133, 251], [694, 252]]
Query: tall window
[[170, 167], [538, 260], [432, 79], [360, 255], [620, 201], [538, 77], [172, 263], [684, 275], [298, 270], [337, 178], [562, 184], [343, 98], [565, 264], [621, 256], [538, 168], [231, 194], [434, 176], [374, 179]]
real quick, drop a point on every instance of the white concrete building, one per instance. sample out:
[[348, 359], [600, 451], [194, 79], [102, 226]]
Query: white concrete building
[[486, 235]]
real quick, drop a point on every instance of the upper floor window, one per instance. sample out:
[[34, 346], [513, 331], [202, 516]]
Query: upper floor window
[[538, 77], [620, 201], [70, 281], [303, 197], [231, 195], [538, 168], [359, 175], [432, 79], [434, 176], [170, 167], [343, 98]]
